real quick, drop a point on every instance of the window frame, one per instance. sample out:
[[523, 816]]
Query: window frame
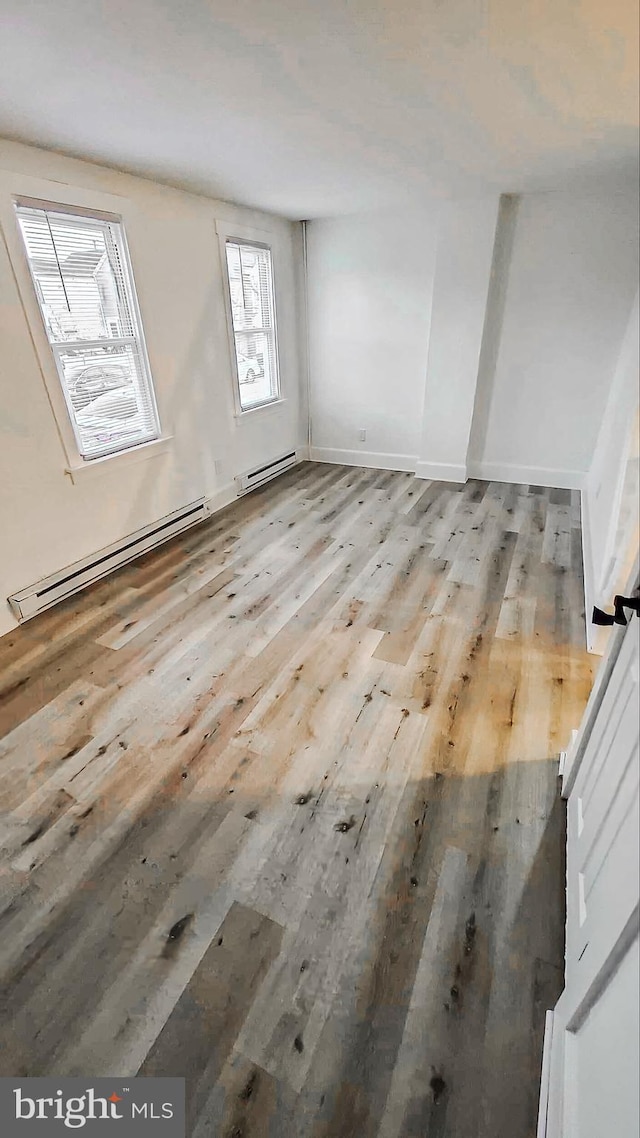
[[257, 239], [76, 463]]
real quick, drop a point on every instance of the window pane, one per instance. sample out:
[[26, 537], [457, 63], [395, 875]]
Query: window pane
[[85, 294], [105, 395], [252, 309], [75, 266], [257, 376]]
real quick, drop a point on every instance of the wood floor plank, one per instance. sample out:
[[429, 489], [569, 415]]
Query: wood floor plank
[[198, 1037], [279, 810], [416, 1091]]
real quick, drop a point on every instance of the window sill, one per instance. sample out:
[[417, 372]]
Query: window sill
[[112, 463], [245, 416]]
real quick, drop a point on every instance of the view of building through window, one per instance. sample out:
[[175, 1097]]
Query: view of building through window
[[85, 293], [253, 311]]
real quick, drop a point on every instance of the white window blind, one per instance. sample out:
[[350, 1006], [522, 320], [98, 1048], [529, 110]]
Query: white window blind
[[84, 287], [251, 290]]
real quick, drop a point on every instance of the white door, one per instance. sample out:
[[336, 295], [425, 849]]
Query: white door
[[591, 1057]]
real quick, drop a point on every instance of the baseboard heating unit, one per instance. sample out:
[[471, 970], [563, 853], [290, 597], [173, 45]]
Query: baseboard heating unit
[[60, 585], [265, 472]]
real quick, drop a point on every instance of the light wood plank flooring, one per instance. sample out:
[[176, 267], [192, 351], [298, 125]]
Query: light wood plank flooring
[[280, 810]]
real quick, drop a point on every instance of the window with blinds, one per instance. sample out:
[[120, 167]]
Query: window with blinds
[[250, 272], [84, 287]]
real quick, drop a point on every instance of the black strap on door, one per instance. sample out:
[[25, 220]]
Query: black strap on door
[[617, 616]]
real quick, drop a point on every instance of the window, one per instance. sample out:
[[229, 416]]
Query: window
[[250, 274], [84, 287]]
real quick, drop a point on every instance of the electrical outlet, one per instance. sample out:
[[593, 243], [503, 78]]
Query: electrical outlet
[[363, 435], [218, 466]]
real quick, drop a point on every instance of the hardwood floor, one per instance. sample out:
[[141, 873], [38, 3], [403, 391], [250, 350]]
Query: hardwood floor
[[280, 810]]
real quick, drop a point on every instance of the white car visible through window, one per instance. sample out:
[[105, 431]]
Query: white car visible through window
[[112, 416], [95, 380], [249, 369]]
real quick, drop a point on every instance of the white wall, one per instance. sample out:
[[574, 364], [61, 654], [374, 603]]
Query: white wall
[[477, 337], [46, 520], [604, 564], [572, 278], [466, 240], [369, 293]]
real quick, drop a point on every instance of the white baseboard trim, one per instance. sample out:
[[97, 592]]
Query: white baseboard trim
[[441, 471], [532, 475], [449, 471], [377, 460]]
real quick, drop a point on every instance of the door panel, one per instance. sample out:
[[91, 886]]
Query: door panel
[[594, 1041], [605, 1053], [602, 823]]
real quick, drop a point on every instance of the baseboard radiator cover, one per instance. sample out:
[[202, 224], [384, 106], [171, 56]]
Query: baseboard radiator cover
[[57, 587], [265, 472]]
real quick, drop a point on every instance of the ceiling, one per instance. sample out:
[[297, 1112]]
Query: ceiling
[[312, 108]]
